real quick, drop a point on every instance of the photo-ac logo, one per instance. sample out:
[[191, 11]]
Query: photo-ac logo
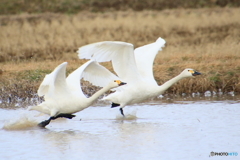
[[223, 154]]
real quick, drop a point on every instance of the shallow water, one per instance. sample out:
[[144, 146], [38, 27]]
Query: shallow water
[[179, 130]]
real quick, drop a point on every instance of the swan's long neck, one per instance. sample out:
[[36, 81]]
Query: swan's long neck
[[99, 93], [169, 83]]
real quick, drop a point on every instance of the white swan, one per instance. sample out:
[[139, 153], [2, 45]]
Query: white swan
[[63, 97], [132, 66]]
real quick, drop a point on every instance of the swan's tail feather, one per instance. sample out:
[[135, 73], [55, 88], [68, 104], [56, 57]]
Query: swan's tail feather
[[40, 108], [36, 108]]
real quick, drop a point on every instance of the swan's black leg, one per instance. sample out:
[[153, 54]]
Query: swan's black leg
[[62, 115], [121, 110], [116, 105]]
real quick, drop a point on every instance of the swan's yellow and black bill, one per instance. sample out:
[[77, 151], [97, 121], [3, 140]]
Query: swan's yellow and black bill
[[195, 73], [120, 83]]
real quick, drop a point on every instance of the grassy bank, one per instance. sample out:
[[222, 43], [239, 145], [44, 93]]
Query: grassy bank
[[207, 40], [75, 6]]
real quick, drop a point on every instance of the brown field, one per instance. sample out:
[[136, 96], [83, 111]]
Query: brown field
[[208, 40]]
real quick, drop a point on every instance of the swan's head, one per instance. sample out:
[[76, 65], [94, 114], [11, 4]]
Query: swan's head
[[189, 72], [116, 83]]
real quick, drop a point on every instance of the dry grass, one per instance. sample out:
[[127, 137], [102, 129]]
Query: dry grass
[[207, 40], [75, 6], [56, 37]]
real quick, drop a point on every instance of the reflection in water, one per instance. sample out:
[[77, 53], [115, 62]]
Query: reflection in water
[[150, 131]]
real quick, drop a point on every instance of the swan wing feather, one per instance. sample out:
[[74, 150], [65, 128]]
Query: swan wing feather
[[120, 53], [73, 80], [145, 56], [98, 75], [54, 83]]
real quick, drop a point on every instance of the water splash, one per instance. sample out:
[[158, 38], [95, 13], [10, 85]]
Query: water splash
[[21, 124], [131, 116]]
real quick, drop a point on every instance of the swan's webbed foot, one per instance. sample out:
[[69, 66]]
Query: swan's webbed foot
[[115, 105], [45, 123], [121, 111]]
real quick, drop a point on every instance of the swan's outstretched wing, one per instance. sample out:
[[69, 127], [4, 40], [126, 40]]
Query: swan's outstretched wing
[[92, 72], [120, 53], [73, 80], [54, 82], [98, 75], [145, 56]]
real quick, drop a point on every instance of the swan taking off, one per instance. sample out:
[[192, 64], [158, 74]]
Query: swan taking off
[[63, 96], [133, 67]]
